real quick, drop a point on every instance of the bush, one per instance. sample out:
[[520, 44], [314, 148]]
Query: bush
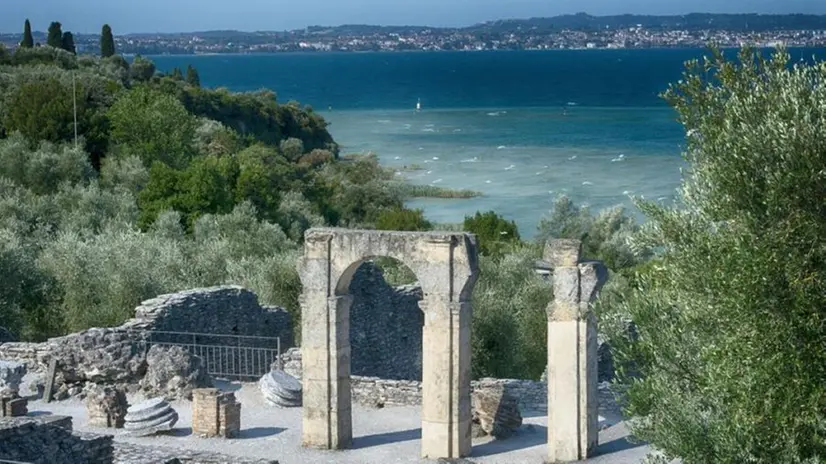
[[731, 345], [493, 232], [403, 219]]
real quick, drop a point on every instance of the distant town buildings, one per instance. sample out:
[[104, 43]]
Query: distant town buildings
[[503, 35]]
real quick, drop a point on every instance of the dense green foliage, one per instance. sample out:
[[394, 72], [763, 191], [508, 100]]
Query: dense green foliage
[[493, 232], [107, 42], [55, 35], [68, 42], [192, 76], [730, 346], [28, 39]]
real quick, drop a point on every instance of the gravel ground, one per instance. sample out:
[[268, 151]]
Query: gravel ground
[[389, 435]]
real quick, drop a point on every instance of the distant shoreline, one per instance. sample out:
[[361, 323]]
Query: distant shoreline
[[365, 52]]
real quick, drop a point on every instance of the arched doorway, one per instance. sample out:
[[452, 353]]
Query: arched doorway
[[446, 266]]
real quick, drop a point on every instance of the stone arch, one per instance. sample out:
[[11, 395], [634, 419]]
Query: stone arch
[[447, 268]]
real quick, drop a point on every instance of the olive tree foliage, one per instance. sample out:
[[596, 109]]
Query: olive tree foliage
[[45, 169], [730, 344], [509, 319]]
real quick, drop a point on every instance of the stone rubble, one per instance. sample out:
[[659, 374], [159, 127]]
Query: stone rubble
[[494, 413], [11, 374], [150, 417], [281, 389], [173, 372]]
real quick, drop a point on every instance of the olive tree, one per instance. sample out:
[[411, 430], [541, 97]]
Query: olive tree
[[729, 351]]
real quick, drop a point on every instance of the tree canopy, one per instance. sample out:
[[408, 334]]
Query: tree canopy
[[28, 39], [107, 42]]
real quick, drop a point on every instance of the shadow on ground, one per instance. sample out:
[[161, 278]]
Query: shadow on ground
[[616, 446], [527, 436], [260, 432], [39, 413], [386, 438], [181, 432]]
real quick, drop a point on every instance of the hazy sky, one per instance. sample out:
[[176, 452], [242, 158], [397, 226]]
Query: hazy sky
[[249, 15]]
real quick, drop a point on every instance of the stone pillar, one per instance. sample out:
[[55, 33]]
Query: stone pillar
[[106, 407], [572, 353], [446, 406], [325, 352], [215, 413]]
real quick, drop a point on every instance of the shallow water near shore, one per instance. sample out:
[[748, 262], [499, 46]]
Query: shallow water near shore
[[521, 159]]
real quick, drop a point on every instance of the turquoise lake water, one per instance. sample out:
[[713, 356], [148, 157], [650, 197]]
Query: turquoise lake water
[[521, 127]]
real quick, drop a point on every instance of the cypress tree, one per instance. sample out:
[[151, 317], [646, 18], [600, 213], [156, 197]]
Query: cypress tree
[[28, 40], [192, 77], [68, 42], [177, 74], [55, 38], [107, 42]]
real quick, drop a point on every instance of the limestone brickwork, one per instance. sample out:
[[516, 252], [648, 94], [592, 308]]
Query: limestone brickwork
[[572, 375], [215, 413], [13, 406], [447, 268]]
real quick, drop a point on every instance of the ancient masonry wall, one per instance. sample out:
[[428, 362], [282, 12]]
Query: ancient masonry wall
[[118, 355], [50, 439], [532, 395], [385, 327]]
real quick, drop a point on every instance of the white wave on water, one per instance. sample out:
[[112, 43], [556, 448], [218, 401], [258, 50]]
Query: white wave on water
[[487, 181], [457, 130], [421, 148], [572, 158], [429, 125], [428, 172], [428, 129], [538, 172], [408, 126], [398, 157], [572, 103], [501, 147], [436, 158], [587, 183], [627, 192], [436, 181], [470, 160], [510, 167], [384, 121], [621, 157], [494, 113]]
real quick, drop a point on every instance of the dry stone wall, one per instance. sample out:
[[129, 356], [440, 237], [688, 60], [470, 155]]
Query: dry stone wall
[[50, 440], [532, 395], [385, 327]]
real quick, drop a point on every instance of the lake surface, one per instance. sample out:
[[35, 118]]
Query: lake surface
[[521, 127]]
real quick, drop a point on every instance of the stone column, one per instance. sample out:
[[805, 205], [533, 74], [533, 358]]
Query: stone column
[[446, 416], [325, 352], [572, 353]]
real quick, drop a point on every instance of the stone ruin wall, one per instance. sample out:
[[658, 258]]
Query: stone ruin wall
[[532, 395], [117, 356], [50, 439]]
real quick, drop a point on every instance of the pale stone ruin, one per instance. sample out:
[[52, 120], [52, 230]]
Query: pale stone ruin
[[495, 413], [215, 413], [106, 407], [150, 417], [280, 389], [572, 352], [447, 268]]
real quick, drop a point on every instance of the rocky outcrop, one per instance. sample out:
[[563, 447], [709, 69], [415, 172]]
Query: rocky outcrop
[[106, 407], [494, 413], [150, 417], [280, 389], [173, 372], [11, 374]]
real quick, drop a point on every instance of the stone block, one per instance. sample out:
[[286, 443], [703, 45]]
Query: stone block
[[563, 252], [13, 407]]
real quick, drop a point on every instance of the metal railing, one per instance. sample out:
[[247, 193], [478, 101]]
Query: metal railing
[[225, 355]]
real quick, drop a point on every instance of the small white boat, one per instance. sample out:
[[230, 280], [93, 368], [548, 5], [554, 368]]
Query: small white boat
[[419, 105]]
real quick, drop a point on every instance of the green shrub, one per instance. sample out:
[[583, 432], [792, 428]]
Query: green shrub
[[492, 231], [730, 334], [403, 219]]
